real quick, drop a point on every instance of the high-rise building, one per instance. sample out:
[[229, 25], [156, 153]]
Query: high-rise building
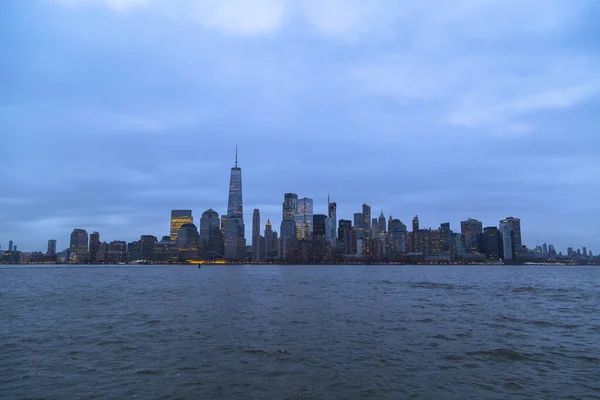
[[359, 225], [78, 246], [117, 251], [415, 223], [94, 247], [507, 241], [51, 248], [269, 238], [491, 243], [10, 245], [147, 243], [397, 237], [133, 251], [332, 215], [344, 224], [188, 242], [515, 230], [178, 218], [545, 249], [304, 219], [290, 206], [471, 231], [319, 225], [165, 251], [235, 238], [366, 211], [210, 233], [381, 223], [256, 249]]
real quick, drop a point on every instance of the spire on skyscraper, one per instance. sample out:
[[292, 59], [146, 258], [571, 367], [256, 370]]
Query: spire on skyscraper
[[236, 154]]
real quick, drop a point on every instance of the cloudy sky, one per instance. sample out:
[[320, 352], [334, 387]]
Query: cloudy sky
[[114, 112]]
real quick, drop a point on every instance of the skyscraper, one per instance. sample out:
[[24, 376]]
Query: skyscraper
[[210, 232], [304, 219], [51, 248], [78, 246], [269, 237], [507, 241], [359, 225], [515, 232], [344, 225], [319, 225], [178, 218], [491, 243], [415, 223], [471, 229], [290, 206], [188, 242], [10, 245], [332, 215], [381, 223], [94, 246], [256, 251], [235, 239], [366, 211], [147, 243]]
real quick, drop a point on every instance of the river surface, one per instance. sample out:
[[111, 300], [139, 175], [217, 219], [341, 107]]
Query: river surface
[[299, 332]]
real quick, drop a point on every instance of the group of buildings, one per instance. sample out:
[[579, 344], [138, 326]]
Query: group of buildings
[[305, 237]]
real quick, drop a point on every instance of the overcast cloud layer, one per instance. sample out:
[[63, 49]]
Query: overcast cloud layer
[[114, 112]]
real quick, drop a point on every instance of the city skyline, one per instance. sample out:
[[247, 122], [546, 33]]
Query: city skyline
[[113, 113], [475, 234]]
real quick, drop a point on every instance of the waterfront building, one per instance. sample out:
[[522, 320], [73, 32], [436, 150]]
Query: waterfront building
[[117, 251], [94, 246], [133, 251], [78, 246], [179, 218], [359, 225], [51, 248], [471, 231], [256, 247], [507, 241], [188, 241], [210, 233], [165, 252], [491, 243], [10, 245], [343, 225], [147, 243], [235, 238], [515, 233]]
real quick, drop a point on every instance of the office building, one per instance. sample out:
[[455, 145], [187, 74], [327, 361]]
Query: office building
[[304, 219], [471, 231], [94, 246], [210, 233], [117, 251], [381, 226], [51, 248], [187, 242], [319, 225], [78, 246], [366, 212], [332, 215], [507, 241], [147, 243], [515, 233], [344, 224], [10, 245], [165, 251], [256, 248], [491, 243], [235, 237], [179, 218]]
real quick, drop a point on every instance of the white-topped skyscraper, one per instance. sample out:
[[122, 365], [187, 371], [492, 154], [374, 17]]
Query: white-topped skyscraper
[[235, 240]]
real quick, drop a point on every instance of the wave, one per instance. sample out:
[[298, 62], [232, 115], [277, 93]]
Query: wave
[[507, 354]]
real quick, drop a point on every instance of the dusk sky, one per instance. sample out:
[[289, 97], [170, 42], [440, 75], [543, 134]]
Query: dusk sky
[[114, 112]]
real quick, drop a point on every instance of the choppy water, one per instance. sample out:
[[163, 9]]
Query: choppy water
[[299, 332]]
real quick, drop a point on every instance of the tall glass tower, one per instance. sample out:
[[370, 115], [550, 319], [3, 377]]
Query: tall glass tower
[[235, 241]]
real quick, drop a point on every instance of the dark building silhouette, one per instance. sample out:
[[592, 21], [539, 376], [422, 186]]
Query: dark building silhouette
[[147, 247], [319, 225], [51, 248], [343, 225], [188, 242], [235, 238], [491, 243]]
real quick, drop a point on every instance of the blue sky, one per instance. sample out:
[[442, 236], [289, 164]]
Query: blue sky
[[114, 112]]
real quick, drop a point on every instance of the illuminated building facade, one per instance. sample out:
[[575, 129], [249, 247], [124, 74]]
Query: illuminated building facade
[[78, 246], [507, 242], [304, 219], [210, 233], [179, 218], [366, 212], [188, 242], [147, 243], [515, 229], [332, 215]]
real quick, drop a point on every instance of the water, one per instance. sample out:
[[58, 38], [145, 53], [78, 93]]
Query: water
[[296, 332]]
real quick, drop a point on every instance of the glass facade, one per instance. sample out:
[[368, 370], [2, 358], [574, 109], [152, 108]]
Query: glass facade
[[304, 219], [179, 218]]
